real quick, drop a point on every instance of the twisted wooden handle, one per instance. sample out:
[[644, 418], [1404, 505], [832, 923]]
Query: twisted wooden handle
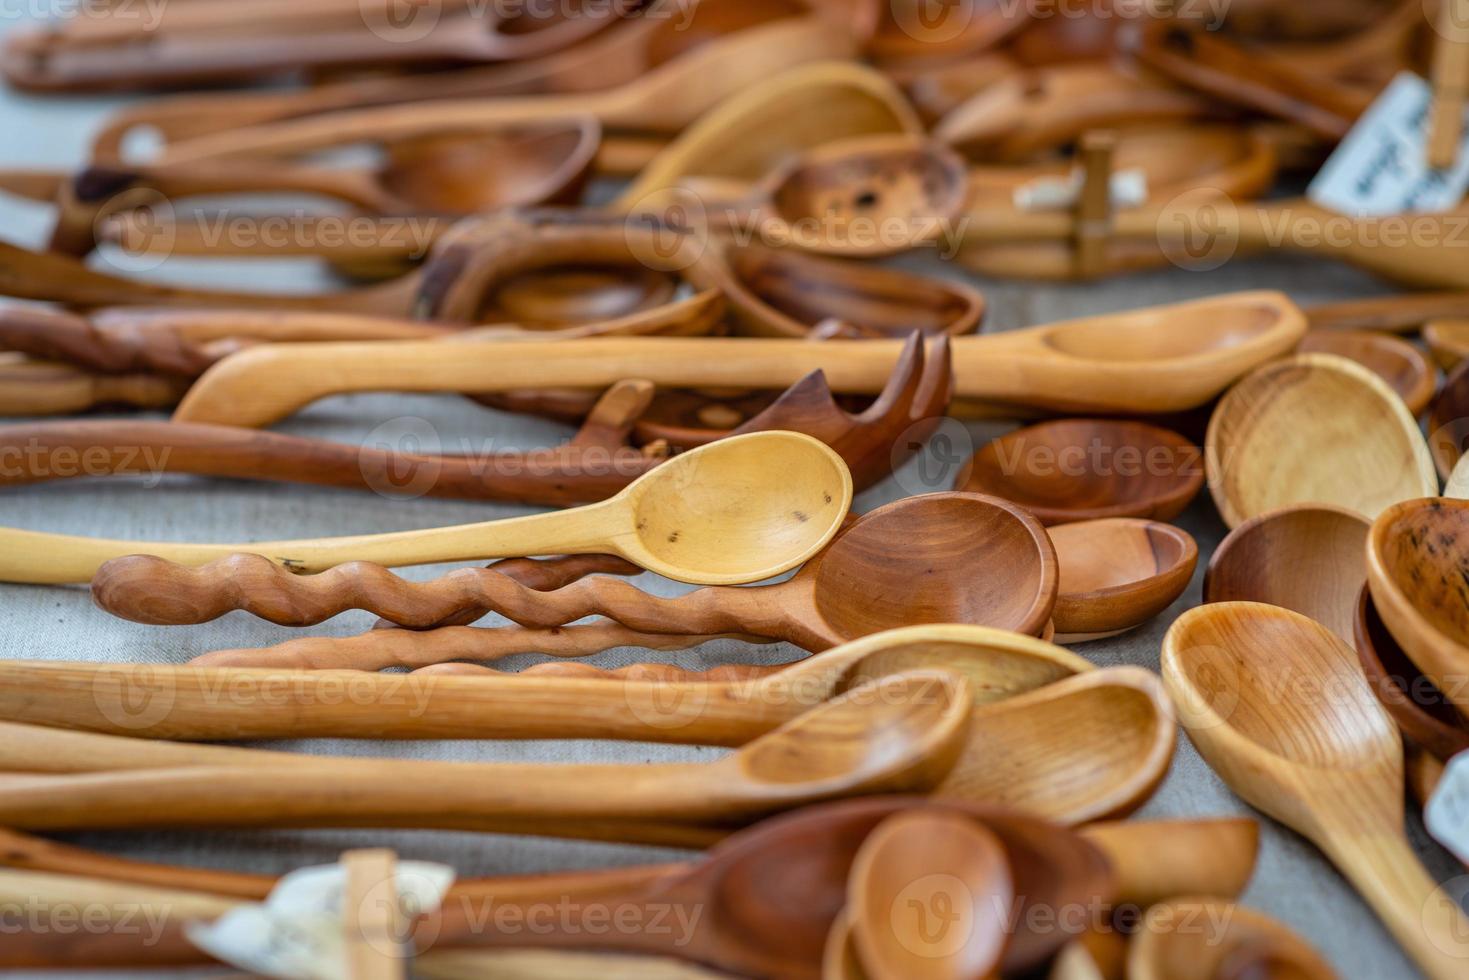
[[45, 388]]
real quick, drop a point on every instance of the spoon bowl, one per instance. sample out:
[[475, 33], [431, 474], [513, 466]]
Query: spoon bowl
[[1117, 573], [1314, 428], [1391, 358], [1266, 559], [1448, 340], [1417, 553], [1085, 469]]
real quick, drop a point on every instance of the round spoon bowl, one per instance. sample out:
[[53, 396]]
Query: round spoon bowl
[[1309, 558], [1391, 358], [1314, 428], [1118, 573], [983, 560], [1448, 422], [1418, 570], [1086, 469], [797, 492]]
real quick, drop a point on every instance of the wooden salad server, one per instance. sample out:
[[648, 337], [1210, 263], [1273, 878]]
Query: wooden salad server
[[1168, 358], [700, 517], [909, 563], [654, 60], [1326, 761], [1415, 569], [901, 733], [1275, 439]]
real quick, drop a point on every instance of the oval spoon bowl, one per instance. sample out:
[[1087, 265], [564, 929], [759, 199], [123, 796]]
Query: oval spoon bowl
[[1391, 358], [1117, 573]]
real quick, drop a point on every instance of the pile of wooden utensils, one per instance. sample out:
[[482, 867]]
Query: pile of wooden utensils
[[895, 802]]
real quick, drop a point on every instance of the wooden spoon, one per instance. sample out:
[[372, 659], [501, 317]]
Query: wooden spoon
[[1415, 568], [1394, 314], [1116, 574], [1137, 362], [1448, 340], [662, 521], [1420, 709], [1208, 939], [902, 733], [1448, 422], [1180, 857], [1086, 469], [1308, 558], [913, 562], [929, 862], [1325, 760], [35, 387], [1314, 428], [1395, 361], [1457, 485]]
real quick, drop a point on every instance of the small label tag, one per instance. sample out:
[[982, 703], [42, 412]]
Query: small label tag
[[1381, 168], [1447, 814], [298, 933]]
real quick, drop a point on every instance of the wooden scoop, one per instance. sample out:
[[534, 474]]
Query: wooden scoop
[[1116, 574], [1421, 711], [679, 520], [908, 563], [1448, 340], [1325, 760], [1395, 361], [1448, 422], [1308, 558], [1135, 362], [1416, 557], [935, 862], [1088, 469], [1279, 437], [1208, 939], [900, 733]]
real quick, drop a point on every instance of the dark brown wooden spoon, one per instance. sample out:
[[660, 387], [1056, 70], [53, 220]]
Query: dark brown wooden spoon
[[1083, 469]]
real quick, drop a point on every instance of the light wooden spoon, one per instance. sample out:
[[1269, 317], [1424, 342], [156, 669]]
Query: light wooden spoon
[[1162, 359], [1417, 556], [1392, 359], [697, 518], [929, 862], [1193, 938], [1117, 574], [1314, 428], [902, 733], [1277, 705], [1308, 558]]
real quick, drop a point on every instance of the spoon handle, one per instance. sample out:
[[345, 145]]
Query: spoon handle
[[47, 388], [1426, 921]]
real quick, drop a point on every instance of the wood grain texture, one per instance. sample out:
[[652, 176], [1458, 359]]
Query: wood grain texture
[[1309, 558], [1118, 573], [1395, 361], [1314, 428], [1326, 761], [1086, 469]]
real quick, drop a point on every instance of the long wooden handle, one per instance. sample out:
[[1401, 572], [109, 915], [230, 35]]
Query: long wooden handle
[[30, 387]]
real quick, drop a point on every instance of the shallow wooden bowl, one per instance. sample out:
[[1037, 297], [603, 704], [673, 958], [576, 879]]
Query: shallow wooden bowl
[[1118, 573]]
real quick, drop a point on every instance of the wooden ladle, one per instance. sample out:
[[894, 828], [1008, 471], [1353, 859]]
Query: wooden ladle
[[1326, 760], [1308, 558], [1191, 938], [1135, 362], [1416, 557], [1116, 574], [679, 520], [901, 733], [1448, 422], [1087, 469], [1280, 437], [911, 562], [1392, 359]]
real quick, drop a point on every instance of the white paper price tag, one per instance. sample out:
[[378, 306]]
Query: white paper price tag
[[297, 934], [1381, 168], [1447, 814]]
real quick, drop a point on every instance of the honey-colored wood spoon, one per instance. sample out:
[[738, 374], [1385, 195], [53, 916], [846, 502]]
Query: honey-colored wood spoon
[[1448, 422], [1086, 469], [1326, 761], [1314, 428], [1308, 558], [937, 862], [902, 733], [1182, 857], [1417, 553], [678, 520], [1116, 574], [908, 563], [1423, 714], [1192, 938], [1448, 340], [1395, 361], [36, 387], [1141, 361]]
